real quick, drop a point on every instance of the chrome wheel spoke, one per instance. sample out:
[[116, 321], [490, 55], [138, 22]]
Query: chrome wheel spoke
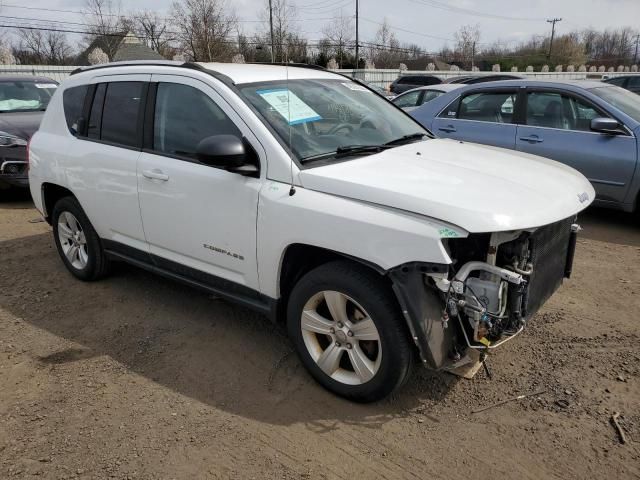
[[312, 321], [365, 369], [64, 231], [365, 329], [72, 253], [82, 255], [337, 305], [329, 361]]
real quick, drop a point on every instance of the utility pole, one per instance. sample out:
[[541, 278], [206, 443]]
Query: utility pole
[[473, 55], [273, 58], [357, 39], [553, 22]]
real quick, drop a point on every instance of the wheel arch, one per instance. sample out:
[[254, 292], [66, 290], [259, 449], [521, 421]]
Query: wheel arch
[[51, 193], [300, 258]]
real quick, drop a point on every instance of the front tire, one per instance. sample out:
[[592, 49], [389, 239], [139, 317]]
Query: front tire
[[348, 330], [77, 242]]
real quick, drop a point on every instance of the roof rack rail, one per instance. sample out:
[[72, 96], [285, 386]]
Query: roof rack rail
[[289, 64], [129, 63], [157, 63]]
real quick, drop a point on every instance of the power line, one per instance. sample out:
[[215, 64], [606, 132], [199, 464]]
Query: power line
[[477, 13]]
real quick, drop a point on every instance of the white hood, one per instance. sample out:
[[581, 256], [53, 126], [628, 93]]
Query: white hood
[[476, 187]]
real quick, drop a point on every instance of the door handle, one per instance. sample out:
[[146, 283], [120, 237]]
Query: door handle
[[155, 174], [532, 139], [448, 129]]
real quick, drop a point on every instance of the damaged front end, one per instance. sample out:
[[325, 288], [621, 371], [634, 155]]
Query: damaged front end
[[496, 282]]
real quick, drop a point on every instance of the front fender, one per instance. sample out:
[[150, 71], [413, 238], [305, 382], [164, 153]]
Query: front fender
[[380, 236]]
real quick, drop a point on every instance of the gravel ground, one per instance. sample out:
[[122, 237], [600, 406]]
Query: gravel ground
[[139, 377]]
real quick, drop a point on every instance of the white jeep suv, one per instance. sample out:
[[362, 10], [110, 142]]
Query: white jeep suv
[[306, 196]]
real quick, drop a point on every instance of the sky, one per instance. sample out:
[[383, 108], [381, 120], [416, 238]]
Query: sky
[[429, 23]]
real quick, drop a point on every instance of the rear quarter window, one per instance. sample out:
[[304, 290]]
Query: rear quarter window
[[72, 103]]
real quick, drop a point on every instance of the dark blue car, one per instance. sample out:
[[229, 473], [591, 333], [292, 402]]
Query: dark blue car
[[590, 126]]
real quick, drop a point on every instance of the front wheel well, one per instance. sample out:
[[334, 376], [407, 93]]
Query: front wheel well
[[300, 259], [51, 193]]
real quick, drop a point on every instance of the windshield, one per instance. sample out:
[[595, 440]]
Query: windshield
[[324, 117], [20, 96], [624, 100]]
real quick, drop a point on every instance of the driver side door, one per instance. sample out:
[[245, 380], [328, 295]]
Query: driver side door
[[199, 221]]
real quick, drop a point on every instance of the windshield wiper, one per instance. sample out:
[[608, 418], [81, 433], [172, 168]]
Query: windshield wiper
[[406, 138], [357, 150]]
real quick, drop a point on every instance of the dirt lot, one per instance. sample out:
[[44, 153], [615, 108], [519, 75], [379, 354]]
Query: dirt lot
[[138, 377]]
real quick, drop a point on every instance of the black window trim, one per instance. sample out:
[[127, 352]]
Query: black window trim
[[149, 125], [577, 95], [86, 111]]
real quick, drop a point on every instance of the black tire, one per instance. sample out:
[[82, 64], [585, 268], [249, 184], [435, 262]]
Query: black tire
[[97, 264], [367, 289]]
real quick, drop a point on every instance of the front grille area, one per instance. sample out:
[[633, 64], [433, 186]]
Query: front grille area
[[549, 246]]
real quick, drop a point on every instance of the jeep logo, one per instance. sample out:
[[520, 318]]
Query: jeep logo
[[583, 197]]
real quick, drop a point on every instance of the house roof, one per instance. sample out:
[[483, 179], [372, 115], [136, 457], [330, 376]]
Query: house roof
[[119, 47]]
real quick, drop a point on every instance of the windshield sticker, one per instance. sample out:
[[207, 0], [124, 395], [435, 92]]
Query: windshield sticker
[[46, 85], [447, 233], [289, 105], [355, 87]]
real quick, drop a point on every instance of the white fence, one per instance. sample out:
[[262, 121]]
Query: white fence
[[379, 77], [382, 77]]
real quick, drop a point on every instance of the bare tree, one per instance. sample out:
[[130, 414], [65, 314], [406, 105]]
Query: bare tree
[[40, 47], [205, 29], [339, 34], [284, 17], [104, 19], [466, 39], [153, 30], [385, 50]]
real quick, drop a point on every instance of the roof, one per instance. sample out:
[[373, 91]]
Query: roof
[[119, 47], [252, 72], [132, 49], [26, 78], [586, 84]]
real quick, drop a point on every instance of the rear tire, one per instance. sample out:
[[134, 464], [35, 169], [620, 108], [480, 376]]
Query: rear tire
[[348, 330], [77, 242]]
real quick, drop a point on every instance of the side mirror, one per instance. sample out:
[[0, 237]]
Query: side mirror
[[226, 151], [605, 125]]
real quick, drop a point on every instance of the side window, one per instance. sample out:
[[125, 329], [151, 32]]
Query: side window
[[555, 110], [634, 83], [430, 95], [619, 81], [451, 111], [183, 117], [121, 112], [72, 103], [95, 115], [407, 100], [496, 107]]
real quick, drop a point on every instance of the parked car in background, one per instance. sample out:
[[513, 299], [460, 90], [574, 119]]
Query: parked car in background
[[628, 82], [591, 126], [309, 198], [407, 82], [385, 93], [23, 100], [417, 96], [473, 79]]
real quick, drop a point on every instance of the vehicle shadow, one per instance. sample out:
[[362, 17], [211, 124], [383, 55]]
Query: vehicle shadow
[[611, 226], [212, 351], [15, 198]]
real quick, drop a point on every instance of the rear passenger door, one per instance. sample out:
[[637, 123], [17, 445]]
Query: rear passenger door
[[103, 158], [481, 116], [558, 126], [199, 220]]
